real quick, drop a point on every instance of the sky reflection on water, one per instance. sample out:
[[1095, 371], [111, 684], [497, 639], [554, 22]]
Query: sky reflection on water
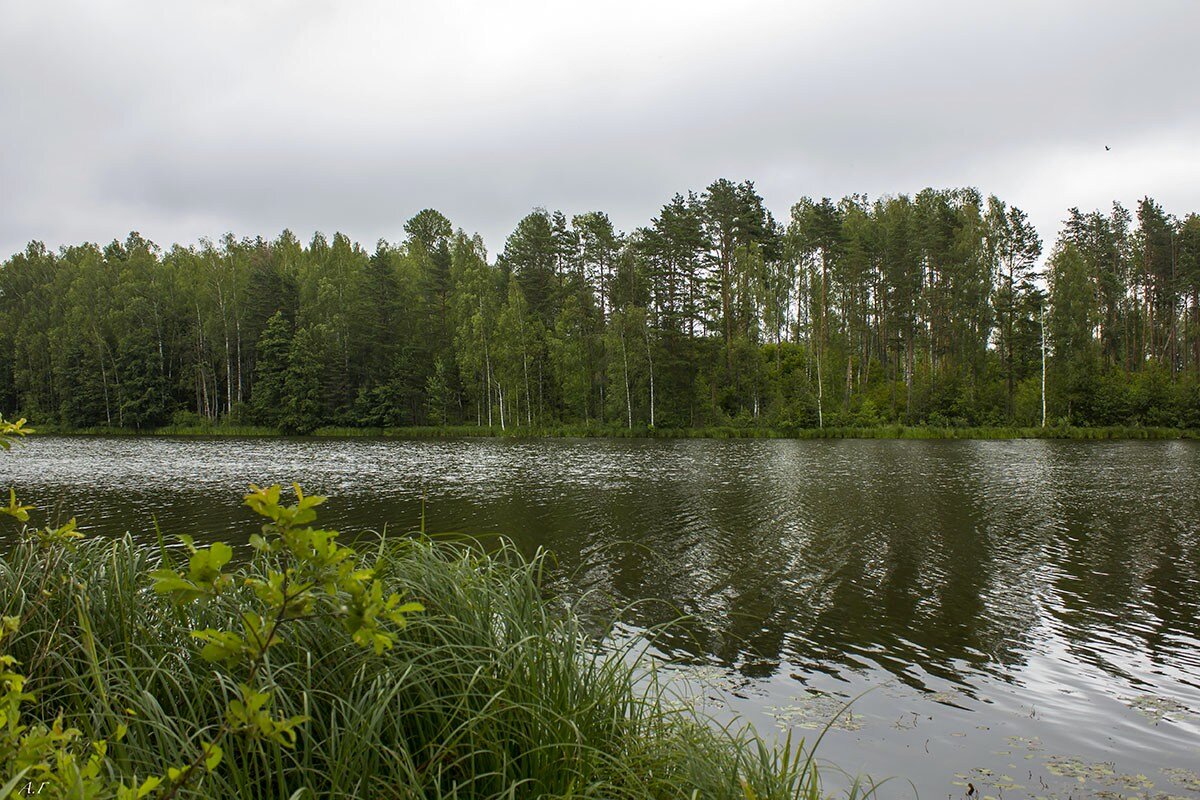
[[1024, 606]]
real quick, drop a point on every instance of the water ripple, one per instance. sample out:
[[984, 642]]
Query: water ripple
[[1039, 588]]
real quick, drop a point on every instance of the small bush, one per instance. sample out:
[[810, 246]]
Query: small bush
[[303, 668]]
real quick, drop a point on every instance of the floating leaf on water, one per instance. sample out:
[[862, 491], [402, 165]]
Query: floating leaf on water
[[1102, 773], [950, 698], [1186, 778], [814, 711], [705, 675], [1032, 744], [1156, 707]]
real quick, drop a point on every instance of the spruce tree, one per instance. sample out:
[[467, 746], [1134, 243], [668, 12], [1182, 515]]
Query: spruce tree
[[273, 360]]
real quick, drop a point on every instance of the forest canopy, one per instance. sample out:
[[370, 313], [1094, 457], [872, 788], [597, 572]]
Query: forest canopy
[[939, 308]]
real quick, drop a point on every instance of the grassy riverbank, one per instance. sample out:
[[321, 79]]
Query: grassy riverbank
[[491, 691], [608, 432]]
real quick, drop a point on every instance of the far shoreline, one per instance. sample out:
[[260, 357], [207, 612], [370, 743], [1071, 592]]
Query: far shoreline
[[923, 432]]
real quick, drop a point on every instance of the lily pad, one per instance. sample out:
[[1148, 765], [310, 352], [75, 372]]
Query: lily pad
[[1157, 708], [815, 711], [1102, 774], [1186, 778]]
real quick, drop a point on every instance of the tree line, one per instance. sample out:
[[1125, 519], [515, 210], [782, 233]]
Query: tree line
[[935, 309]]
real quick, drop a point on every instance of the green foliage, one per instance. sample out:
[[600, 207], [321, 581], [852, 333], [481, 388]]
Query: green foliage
[[300, 573], [273, 354], [11, 431], [14, 509], [203, 578], [929, 306], [493, 692], [50, 759], [303, 397], [437, 394]]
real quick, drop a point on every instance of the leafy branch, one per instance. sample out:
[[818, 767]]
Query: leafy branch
[[298, 573]]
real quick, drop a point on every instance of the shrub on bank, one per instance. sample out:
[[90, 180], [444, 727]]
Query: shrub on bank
[[408, 668]]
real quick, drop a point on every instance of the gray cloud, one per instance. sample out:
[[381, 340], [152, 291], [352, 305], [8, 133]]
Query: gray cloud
[[184, 120]]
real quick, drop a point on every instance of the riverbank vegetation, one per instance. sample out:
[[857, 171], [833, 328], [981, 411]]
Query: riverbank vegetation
[[304, 668], [594, 431], [933, 311]]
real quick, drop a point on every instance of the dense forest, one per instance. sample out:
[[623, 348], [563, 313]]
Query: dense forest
[[935, 309]]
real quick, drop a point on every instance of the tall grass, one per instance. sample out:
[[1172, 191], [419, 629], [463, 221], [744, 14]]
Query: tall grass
[[494, 691]]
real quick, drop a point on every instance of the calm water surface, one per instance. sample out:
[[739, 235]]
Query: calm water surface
[[1025, 615]]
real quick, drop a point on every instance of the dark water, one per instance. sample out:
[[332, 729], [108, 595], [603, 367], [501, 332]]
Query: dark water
[[1024, 614]]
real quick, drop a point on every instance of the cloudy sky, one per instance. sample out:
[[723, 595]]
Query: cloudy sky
[[188, 119]]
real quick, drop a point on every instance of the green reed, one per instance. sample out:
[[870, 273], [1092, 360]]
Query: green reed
[[494, 690]]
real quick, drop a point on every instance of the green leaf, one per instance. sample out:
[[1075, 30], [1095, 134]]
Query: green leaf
[[205, 565], [64, 534], [212, 756], [148, 786], [256, 640], [221, 646], [15, 509], [283, 731]]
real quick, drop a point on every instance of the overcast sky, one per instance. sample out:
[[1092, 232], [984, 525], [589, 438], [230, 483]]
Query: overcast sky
[[189, 119]]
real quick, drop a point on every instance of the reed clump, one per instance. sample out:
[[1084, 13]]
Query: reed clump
[[489, 688]]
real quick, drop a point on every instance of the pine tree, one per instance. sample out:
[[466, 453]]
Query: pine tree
[[1015, 247]]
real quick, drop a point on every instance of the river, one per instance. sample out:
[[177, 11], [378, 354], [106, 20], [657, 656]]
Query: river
[[1020, 615]]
